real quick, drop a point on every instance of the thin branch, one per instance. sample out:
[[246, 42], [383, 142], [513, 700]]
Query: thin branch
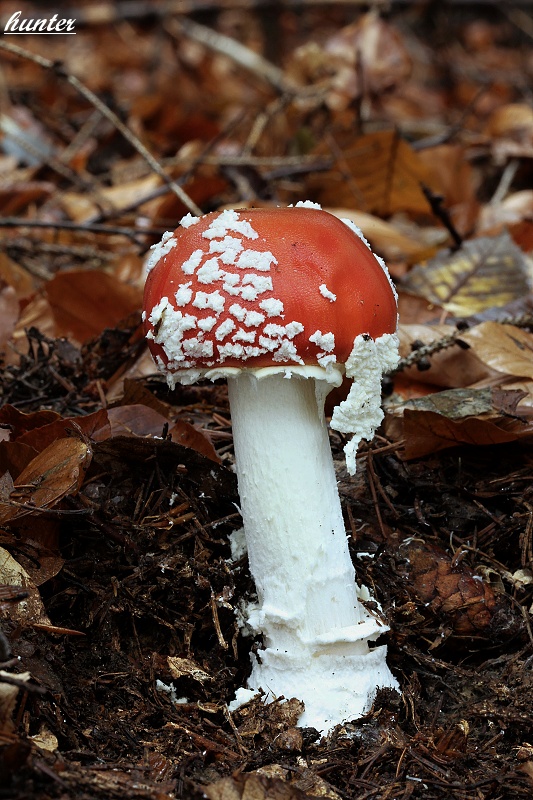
[[424, 351], [131, 233], [239, 53], [59, 70]]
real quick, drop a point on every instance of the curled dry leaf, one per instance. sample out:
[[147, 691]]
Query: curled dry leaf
[[8, 698], [30, 609], [55, 473], [505, 348], [484, 272], [94, 426], [187, 668], [139, 420], [19, 423], [366, 57]]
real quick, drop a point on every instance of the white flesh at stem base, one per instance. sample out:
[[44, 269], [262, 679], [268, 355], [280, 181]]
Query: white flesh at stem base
[[315, 630]]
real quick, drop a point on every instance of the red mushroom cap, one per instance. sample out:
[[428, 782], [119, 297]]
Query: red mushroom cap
[[261, 288]]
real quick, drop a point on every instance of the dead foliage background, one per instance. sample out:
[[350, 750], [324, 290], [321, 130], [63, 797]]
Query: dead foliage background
[[119, 647]]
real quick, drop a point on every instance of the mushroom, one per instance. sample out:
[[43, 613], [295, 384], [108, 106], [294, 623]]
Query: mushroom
[[284, 303]]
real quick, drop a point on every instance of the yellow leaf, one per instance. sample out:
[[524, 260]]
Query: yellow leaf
[[485, 272]]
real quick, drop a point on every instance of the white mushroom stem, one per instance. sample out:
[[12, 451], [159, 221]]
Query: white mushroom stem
[[315, 630]]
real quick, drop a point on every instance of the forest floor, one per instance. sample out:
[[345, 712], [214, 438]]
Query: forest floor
[[119, 643]]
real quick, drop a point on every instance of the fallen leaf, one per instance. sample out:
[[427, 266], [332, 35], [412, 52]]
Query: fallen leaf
[[56, 472], [8, 699], [513, 209], [84, 302], [81, 207], [510, 130], [384, 237], [253, 786], [378, 173], [20, 423], [140, 420], [93, 426], [45, 740], [187, 668], [484, 272], [426, 432], [505, 348], [31, 608]]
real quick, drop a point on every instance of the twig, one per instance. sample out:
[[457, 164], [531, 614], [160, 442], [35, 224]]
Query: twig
[[506, 180], [131, 233], [425, 350], [244, 57], [59, 70], [239, 53], [436, 204]]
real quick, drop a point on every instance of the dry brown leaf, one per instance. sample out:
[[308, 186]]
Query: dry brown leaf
[[8, 699], [94, 426], [366, 57], [187, 668], [56, 472], [384, 237], [305, 779], [505, 348], [427, 432], [136, 393], [14, 457], [30, 609], [13, 275], [35, 313], [85, 302], [140, 420], [375, 53], [485, 272], [379, 173], [20, 423], [253, 786], [457, 181], [81, 207], [18, 195], [187, 435]]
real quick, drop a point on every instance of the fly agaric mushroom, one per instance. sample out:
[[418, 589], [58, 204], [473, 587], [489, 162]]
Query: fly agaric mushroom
[[284, 303]]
